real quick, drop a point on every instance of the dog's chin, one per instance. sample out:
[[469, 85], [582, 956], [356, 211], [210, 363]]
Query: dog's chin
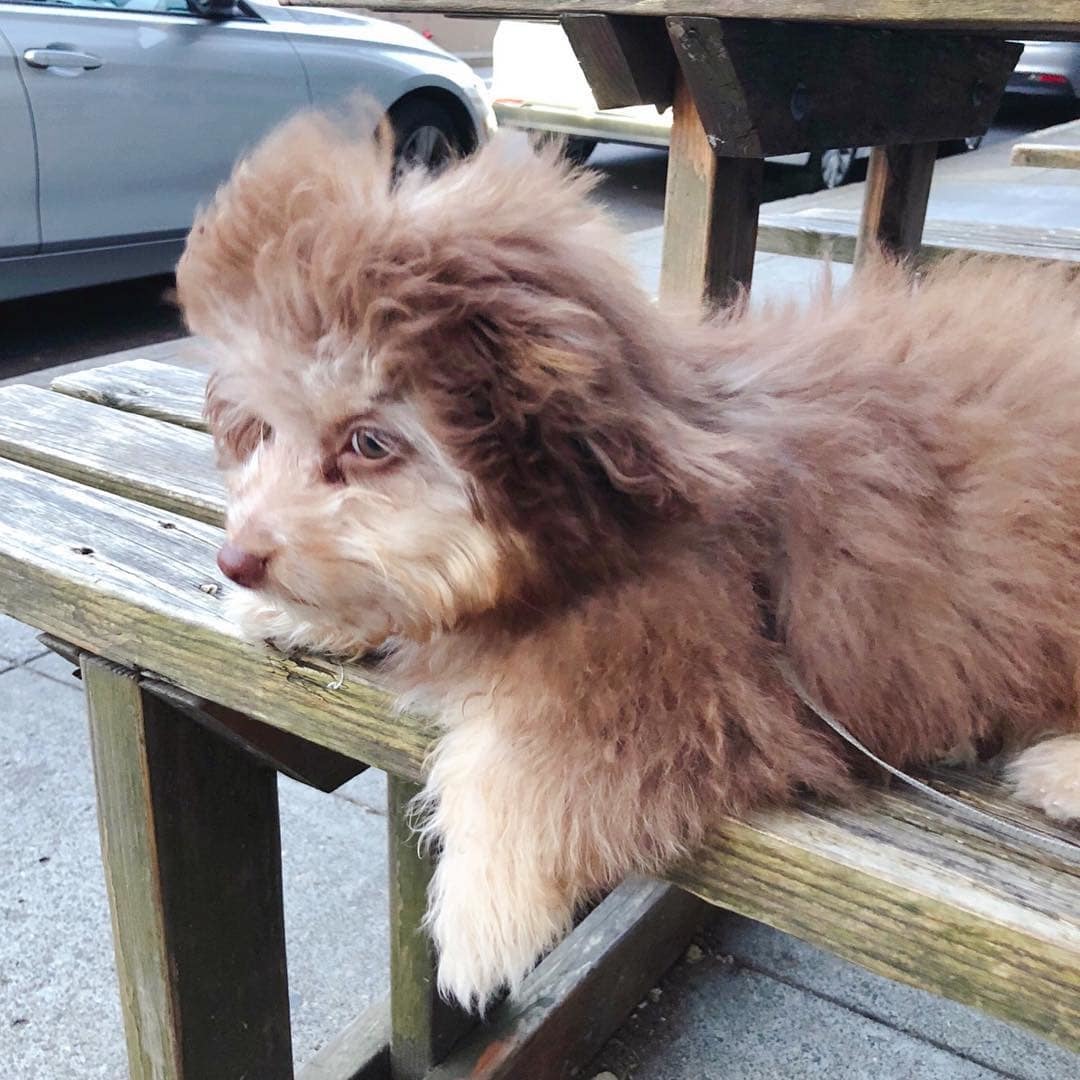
[[290, 627]]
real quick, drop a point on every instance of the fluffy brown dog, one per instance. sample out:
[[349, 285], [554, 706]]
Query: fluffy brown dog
[[452, 422]]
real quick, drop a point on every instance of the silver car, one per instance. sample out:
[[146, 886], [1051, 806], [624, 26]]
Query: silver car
[[119, 117], [1049, 69]]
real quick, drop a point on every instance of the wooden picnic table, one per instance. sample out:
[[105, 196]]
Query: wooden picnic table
[[111, 515], [1052, 148]]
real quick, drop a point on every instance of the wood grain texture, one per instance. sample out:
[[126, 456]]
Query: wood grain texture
[[192, 854], [1046, 156], [423, 1026], [583, 990], [626, 60], [139, 586], [163, 465], [766, 89], [894, 204], [710, 213], [905, 889], [820, 231], [289, 754], [1002, 17], [146, 387], [360, 1052]]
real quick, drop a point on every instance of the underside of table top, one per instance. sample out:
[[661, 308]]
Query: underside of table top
[[1043, 18]]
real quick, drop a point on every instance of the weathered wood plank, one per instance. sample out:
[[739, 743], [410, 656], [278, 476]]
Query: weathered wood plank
[[360, 1052], [583, 990], [840, 86], [423, 1026], [161, 464], [1046, 156], [710, 213], [1052, 148], [147, 387], [1001, 17], [890, 886], [821, 231], [192, 854], [895, 201], [139, 586], [626, 60]]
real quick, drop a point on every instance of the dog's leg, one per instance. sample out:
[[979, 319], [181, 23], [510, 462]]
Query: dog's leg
[[1047, 776], [498, 898]]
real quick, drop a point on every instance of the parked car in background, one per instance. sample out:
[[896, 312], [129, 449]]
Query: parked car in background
[[119, 117], [1048, 69], [538, 86]]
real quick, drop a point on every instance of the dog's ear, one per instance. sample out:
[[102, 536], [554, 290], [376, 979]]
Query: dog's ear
[[636, 458], [564, 420], [654, 456]]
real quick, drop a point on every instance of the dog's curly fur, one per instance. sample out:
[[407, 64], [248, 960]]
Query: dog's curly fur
[[597, 523]]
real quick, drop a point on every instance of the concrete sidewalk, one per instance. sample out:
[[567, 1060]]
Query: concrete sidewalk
[[747, 1002]]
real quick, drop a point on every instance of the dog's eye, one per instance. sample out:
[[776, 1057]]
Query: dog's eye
[[371, 444]]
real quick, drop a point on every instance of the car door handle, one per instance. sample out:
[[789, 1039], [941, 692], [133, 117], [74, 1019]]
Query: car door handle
[[61, 58]]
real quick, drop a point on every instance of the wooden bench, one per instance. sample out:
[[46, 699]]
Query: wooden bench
[[819, 232], [1052, 148], [108, 530]]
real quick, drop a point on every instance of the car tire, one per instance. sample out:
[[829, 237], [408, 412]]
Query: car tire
[[575, 148], [831, 168], [426, 134], [578, 150], [963, 146]]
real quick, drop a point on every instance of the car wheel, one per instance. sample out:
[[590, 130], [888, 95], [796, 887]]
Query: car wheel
[[575, 148], [964, 146], [425, 135], [831, 168], [578, 150]]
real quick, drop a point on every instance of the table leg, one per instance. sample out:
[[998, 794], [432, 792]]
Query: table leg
[[897, 192], [192, 854], [423, 1027], [710, 212]]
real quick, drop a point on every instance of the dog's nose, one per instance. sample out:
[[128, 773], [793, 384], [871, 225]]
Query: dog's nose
[[244, 567]]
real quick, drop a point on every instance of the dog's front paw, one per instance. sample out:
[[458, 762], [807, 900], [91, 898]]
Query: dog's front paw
[[292, 631], [261, 620], [490, 925], [1047, 776]]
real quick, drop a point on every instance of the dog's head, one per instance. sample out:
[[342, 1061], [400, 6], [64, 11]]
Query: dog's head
[[435, 395]]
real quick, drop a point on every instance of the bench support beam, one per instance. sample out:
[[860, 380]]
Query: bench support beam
[[626, 59], [192, 853], [894, 205], [361, 1051], [584, 989], [710, 213], [423, 1026]]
